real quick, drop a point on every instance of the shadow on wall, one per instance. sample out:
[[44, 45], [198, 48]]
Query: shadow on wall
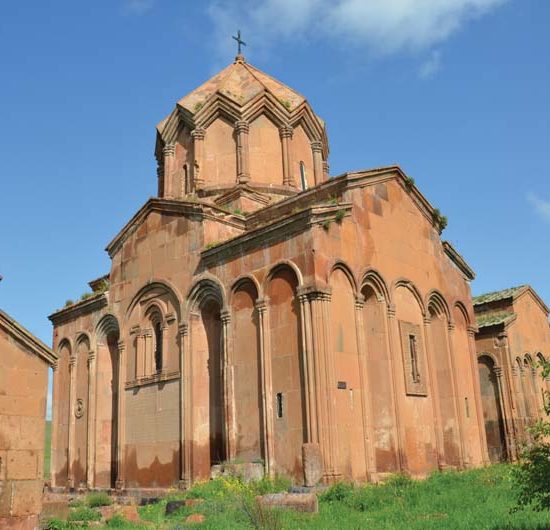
[[156, 475]]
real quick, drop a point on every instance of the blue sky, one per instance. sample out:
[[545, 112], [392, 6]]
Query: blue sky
[[457, 92]]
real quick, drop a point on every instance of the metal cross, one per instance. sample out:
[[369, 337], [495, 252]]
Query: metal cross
[[239, 41]]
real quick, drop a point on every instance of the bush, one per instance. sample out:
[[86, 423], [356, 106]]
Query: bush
[[116, 521], [532, 475], [339, 492], [84, 514], [94, 500]]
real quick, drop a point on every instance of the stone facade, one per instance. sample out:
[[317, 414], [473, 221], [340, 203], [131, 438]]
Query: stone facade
[[513, 337], [256, 305], [23, 394]]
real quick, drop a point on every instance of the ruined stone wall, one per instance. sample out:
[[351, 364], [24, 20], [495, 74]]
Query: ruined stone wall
[[23, 384]]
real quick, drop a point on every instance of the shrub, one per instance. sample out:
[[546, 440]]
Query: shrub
[[84, 514], [69, 302], [101, 498], [532, 475], [339, 492], [340, 214], [116, 521], [54, 524]]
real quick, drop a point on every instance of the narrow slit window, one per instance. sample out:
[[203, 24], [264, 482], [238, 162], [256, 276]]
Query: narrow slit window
[[158, 346], [303, 176], [279, 405], [415, 372], [467, 407]]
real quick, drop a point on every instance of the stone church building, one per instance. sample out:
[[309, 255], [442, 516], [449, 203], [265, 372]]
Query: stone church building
[[259, 311], [513, 337]]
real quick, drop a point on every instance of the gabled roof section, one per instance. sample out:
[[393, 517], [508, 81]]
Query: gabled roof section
[[26, 338], [496, 296], [486, 320], [458, 260]]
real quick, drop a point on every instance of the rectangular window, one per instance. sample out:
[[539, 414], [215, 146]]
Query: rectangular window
[[413, 359], [415, 372], [279, 405]]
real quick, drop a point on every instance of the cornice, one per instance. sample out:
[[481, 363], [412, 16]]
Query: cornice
[[281, 228], [172, 206], [80, 308], [458, 260], [27, 339]]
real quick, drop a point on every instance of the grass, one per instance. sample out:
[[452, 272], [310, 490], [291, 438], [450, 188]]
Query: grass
[[476, 499], [47, 450]]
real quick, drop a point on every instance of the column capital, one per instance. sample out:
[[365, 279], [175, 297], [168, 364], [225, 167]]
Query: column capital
[[91, 356], [183, 329], [451, 325], [225, 317], [391, 310], [169, 149], [359, 301], [261, 305], [326, 168], [427, 319], [498, 371], [242, 126], [316, 146], [72, 361], [471, 330], [286, 131], [198, 134], [121, 347]]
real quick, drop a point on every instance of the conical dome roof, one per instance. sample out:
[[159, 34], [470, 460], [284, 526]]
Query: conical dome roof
[[241, 82]]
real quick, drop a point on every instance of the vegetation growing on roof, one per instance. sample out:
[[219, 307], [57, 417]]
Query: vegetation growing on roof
[[439, 220], [492, 319], [409, 182]]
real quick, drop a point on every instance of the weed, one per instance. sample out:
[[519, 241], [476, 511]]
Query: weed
[[117, 521], [69, 302], [84, 513], [100, 498], [326, 225], [339, 217]]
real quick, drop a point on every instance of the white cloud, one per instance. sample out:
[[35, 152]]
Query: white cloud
[[431, 66], [138, 7], [381, 26], [541, 206]]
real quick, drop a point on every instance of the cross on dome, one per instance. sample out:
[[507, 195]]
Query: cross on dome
[[240, 42]]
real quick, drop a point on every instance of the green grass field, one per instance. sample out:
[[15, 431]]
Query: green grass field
[[477, 499], [47, 450]]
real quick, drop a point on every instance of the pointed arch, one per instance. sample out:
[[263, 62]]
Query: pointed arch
[[243, 280], [373, 279], [281, 265], [107, 325], [205, 288], [460, 306], [164, 288], [407, 284], [342, 266], [436, 303]]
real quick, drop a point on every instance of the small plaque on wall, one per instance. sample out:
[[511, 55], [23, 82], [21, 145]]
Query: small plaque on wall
[[342, 385]]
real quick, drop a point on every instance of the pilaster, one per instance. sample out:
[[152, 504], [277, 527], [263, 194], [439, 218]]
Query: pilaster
[[391, 328], [267, 388], [72, 409], [169, 152], [121, 423], [243, 172], [228, 387], [434, 394], [198, 135], [285, 133], [185, 407], [363, 379], [90, 442], [317, 150]]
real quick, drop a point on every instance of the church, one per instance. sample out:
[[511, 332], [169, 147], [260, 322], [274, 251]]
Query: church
[[259, 312]]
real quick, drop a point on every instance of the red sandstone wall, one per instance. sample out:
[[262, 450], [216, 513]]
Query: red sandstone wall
[[23, 388]]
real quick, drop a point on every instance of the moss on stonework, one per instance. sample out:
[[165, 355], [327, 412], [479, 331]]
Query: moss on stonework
[[493, 319]]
